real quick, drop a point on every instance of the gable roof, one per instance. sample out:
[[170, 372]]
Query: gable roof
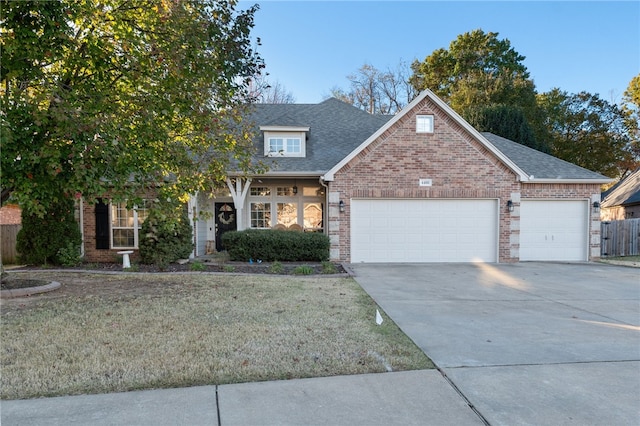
[[540, 166], [624, 193], [523, 161], [338, 132], [335, 128]]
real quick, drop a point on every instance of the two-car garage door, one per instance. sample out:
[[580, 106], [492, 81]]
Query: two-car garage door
[[384, 230]]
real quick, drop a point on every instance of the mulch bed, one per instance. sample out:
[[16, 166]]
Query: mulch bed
[[228, 267]]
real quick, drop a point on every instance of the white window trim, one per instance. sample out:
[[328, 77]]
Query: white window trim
[[272, 132], [424, 123], [136, 229], [274, 199]]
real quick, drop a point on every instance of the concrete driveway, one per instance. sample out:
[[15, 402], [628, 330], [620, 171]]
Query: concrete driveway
[[526, 343]]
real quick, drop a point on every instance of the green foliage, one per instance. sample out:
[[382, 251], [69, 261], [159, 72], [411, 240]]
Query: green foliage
[[480, 70], [303, 270], [506, 121], [270, 245], [53, 238], [69, 255], [329, 268], [166, 235], [229, 268], [197, 266], [587, 131], [275, 268], [112, 96]]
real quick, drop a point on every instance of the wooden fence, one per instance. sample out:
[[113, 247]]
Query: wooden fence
[[620, 238], [8, 235]]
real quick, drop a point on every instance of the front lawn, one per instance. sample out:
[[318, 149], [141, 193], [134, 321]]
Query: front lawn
[[110, 333]]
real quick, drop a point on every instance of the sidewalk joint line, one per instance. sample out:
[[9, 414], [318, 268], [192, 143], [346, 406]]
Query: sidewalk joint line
[[463, 396]]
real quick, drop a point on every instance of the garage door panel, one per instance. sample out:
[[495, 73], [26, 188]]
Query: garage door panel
[[553, 230], [423, 230]]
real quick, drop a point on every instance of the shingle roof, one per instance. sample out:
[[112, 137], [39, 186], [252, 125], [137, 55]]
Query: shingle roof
[[538, 164], [335, 129], [624, 193]]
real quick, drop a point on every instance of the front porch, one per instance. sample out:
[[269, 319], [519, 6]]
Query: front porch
[[260, 203]]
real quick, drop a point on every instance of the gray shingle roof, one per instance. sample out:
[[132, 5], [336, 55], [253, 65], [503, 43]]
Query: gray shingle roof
[[335, 129], [538, 164], [624, 193]]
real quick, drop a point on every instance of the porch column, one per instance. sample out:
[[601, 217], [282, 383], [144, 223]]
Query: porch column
[[239, 194], [192, 207]]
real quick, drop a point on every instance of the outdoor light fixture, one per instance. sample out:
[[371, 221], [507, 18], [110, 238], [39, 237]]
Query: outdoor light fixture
[[295, 189], [596, 206], [341, 206], [510, 205]]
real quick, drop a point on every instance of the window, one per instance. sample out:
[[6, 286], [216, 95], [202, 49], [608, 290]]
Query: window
[[285, 146], [424, 124], [284, 141], [125, 224], [260, 215], [260, 191], [313, 216], [287, 213]]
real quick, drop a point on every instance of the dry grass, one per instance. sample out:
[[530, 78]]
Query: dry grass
[[110, 333]]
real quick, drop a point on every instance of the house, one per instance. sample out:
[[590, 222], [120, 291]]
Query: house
[[419, 186], [622, 201]]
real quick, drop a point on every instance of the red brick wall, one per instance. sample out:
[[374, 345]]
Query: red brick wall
[[391, 166], [91, 254], [459, 166]]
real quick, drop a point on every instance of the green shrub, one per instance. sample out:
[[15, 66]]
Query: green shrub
[[54, 238], [329, 268], [271, 245], [197, 266], [69, 255], [303, 270], [166, 236], [275, 268]]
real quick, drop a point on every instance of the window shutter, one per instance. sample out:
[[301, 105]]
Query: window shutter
[[102, 225]]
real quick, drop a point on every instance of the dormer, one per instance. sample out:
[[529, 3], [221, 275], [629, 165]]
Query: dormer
[[284, 141]]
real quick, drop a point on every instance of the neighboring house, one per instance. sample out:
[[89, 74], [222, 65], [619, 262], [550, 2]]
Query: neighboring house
[[420, 186], [622, 201]]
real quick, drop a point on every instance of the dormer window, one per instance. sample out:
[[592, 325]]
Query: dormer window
[[284, 141]]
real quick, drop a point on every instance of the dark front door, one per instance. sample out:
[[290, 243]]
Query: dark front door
[[225, 221]]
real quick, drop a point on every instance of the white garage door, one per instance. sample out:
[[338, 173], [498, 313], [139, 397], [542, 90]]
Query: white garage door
[[423, 230], [553, 230]]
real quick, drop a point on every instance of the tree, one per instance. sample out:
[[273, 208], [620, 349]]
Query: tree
[[587, 131], [631, 110], [377, 92], [508, 122], [117, 96], [53, 238], [477, 70], [265, 92]]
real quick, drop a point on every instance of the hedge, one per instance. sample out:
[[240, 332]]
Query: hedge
[[271, 245]]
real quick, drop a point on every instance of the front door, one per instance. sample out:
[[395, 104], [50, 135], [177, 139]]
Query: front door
[[225, 221]]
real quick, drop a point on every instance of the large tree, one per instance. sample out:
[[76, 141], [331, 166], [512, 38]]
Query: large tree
[[480, 70], [588, 131], [631, 110], [115, 96]]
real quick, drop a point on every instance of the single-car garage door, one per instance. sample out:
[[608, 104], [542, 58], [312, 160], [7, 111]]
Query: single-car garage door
[[384, 230], [553, 230]]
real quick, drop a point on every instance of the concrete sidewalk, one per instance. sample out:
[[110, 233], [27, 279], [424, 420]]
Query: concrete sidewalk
[[401, 398]]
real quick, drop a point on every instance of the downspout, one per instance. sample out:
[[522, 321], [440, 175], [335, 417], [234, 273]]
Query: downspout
[[325, 213]]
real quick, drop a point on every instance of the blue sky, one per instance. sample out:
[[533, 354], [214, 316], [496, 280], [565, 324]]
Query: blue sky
[[311, 46]]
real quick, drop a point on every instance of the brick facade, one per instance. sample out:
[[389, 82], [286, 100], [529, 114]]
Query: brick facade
[[459, 166]]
